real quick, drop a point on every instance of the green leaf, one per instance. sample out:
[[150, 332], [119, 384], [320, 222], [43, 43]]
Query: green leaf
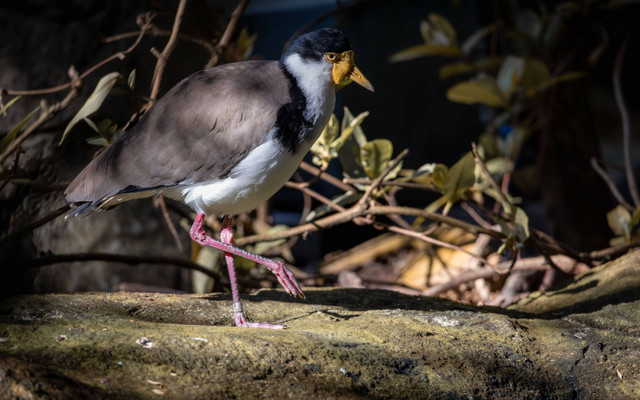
[[94, 101], [619, 220], [11, 102], [375, 156], [423, 50], [521, 224], [460, 178], [483, 91], [9, 137]]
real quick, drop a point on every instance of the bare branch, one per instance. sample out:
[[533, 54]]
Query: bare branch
[[226, 36], [125, 259], [168, 49], [610, 184]]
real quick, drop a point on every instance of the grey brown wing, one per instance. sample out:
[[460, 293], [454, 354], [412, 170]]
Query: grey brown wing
[[197, 132]]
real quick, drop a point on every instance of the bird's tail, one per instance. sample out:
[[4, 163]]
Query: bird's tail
[[82, 209]]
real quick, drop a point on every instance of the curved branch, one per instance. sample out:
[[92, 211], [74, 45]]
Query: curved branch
[[226, 36], [125, 259], [168, 49]]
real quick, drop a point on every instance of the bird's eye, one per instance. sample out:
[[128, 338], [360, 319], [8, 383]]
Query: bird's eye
[[331, 57]]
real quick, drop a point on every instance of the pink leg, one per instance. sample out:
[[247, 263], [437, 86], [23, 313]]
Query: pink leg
[[285, 277]]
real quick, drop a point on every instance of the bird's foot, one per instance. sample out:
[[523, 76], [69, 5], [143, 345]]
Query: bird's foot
[[241, 321], [286, 278]]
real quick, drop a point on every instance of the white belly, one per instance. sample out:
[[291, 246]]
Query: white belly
[[255, 179]]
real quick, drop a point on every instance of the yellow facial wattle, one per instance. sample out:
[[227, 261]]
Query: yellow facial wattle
[[345, 69]]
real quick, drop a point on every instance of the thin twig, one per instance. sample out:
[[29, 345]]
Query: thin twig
[[404, 185], [376, 182], [14, 168], [46, 113], [20, 232], [525, 264], [610, 252], [626, 124], [327, 177], [437, 242], [356, 211], [301, 186], [226, 36], [155, 31], [612, 186], [144, 21], [159, 201], [487, 174], [168, 49], [125, 259], [475, 216]]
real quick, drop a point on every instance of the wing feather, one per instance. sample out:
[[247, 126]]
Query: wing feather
[[197, 132]]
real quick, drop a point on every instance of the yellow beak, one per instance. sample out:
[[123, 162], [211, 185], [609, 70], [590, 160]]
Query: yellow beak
[[359, 78]]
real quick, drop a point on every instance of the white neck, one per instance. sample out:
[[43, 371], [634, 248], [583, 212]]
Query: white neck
[[316, 82]]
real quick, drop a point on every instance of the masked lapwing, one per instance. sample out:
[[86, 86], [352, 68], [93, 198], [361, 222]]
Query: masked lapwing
[[224, 140]]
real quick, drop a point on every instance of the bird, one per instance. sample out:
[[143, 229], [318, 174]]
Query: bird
[[223, 141]]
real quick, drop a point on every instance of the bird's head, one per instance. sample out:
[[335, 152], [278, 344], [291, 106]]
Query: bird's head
[[330, 48]]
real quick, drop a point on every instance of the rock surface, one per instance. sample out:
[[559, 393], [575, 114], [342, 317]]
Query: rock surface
[[580, 342]]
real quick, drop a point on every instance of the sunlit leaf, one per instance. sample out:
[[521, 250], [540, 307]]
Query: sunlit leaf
[[351, 125], [460, 178], [483, 91], [375, 156], [9, 137], [321, 149], [94, 101]]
